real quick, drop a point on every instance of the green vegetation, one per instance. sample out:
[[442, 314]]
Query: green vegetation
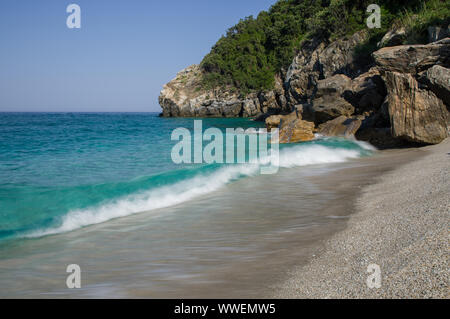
[[255, 49], [435, 12]]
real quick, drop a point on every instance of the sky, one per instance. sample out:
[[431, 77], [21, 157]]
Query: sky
[[119, 59]]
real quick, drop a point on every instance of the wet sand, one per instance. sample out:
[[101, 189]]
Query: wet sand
[[401, 224], [239, 242]]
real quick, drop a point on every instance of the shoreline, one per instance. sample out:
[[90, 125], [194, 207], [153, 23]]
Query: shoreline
[[282, 226], [235, 242], [399, 222]]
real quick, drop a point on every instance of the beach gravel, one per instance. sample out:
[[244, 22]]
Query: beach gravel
[[401, 223]]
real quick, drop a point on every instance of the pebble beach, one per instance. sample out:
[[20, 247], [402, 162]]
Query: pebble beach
[[401, 224]]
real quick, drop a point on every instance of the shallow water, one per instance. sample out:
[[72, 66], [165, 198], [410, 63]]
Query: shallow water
[[234, 242], [237, 235], [61, 172]]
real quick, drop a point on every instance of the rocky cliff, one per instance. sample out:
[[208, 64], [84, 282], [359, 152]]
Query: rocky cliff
[[399, 95], [186, 96]]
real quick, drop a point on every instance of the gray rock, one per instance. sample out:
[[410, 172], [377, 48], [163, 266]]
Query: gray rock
[[437, 79], [327, 108], [339, 57], [340, 126], [334, 85], [251, 108], [437, 33], [231, 109], [367, 91], [393, 37], [185, 96], [319, 60]]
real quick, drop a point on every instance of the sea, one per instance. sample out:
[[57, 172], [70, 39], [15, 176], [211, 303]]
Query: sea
[[102, 190]]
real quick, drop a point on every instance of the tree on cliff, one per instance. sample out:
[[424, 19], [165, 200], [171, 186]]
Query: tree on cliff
[[254, 50]]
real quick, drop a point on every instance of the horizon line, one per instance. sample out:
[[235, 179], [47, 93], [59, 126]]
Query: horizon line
[[65, 112]]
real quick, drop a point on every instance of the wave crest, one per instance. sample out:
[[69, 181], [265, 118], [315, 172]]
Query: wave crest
[[192, 187]]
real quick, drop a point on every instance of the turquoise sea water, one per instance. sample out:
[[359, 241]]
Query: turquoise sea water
[[63, 171]]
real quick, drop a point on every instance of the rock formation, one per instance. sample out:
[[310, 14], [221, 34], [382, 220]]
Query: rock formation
[[294, 129], [393, 37], [437, 79], [340, 126], [401, 95], [416, 115], [317, 61], [413, 58], [185, 96]]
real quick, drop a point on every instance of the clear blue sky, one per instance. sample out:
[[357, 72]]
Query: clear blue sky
[[119, 59]]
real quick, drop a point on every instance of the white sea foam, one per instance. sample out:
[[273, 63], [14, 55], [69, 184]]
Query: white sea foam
[[365, 145], [191, 188]]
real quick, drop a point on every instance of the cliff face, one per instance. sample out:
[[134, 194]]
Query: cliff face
[[399, 95], [185, 96]]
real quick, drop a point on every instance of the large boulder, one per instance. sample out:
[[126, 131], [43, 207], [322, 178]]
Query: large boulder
[[339, 96], [273, 121], [293, 129], [366, 92], [437, 79], [329, 107], [327, 102], [416, 115], [413, 58], [341, 126], [231, 108], [333, 86]]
